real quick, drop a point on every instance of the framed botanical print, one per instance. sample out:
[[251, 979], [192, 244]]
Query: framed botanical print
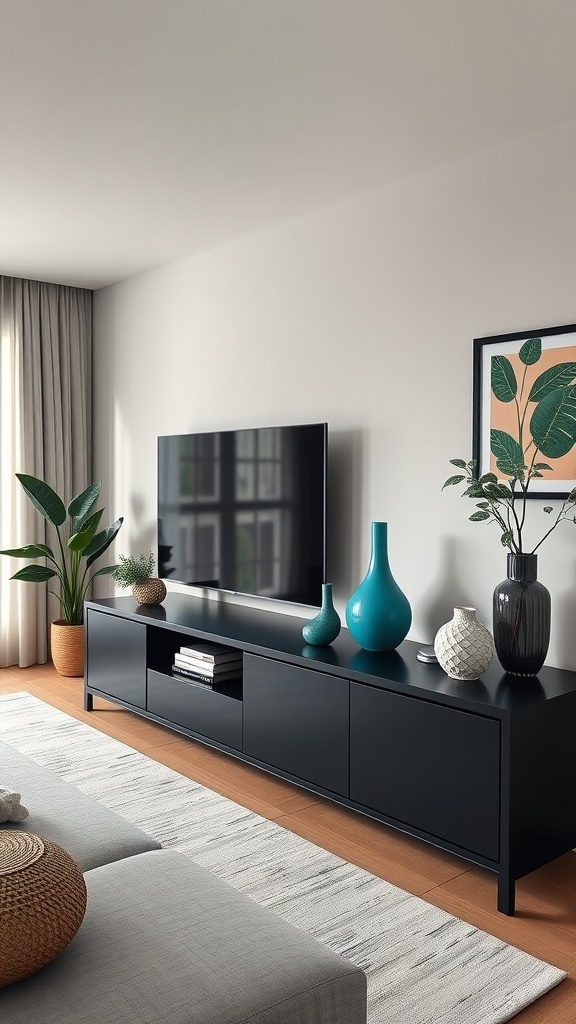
[[524, 408]]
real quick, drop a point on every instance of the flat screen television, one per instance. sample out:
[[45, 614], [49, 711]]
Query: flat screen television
[[244, 511]]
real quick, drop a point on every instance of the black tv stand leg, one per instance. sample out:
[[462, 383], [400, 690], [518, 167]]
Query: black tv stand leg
[[88, 701], [506, 894]]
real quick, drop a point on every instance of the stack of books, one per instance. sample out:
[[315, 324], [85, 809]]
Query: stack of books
[[207, 663]]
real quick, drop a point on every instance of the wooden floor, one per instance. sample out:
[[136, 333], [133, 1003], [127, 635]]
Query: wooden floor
[[545, 921]]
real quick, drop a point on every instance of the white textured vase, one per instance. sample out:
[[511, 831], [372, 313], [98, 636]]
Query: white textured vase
[[463, 646]]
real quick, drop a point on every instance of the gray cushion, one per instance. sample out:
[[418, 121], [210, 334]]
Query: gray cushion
[[91, 833], [165, 940]]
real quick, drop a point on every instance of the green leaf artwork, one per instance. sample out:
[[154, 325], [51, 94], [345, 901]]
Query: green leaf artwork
[[530, 351], [553, 423], [504, 383], [558, 376], [544, 428]]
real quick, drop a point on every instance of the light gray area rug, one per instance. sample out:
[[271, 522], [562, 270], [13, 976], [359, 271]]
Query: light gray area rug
[[423, 965]]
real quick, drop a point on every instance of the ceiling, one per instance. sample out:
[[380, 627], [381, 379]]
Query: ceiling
[[137, 132]]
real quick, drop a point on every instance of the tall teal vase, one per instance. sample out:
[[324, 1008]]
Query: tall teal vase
[[324, 628], [378, 614]]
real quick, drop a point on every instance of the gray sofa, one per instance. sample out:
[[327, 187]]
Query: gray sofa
[[163, 940]]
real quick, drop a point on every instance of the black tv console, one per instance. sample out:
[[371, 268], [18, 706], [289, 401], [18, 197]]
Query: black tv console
[[484, 770]]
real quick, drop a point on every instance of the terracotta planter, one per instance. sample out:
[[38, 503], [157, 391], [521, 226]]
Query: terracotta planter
[[67, 646], [150, 591]]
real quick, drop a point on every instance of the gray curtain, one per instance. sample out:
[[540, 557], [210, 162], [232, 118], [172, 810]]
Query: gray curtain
[[45, 430]]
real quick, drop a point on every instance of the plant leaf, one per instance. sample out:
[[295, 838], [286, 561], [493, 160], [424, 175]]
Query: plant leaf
[[531, 351], [498, 492], [79, 541], [458, 462], [503, 379], [507, 451], [477, 517], [509, 470], [557, 376], [43, 498], [82, 503], [488, 478], [506, 539], [453, 480], [29, 551], [540, 466], [101, 542], [474, 491], [553, 423], [106, 570], [34, 574]]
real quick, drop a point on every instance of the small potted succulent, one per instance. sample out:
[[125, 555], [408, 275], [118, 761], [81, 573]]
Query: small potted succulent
[[137, 573]]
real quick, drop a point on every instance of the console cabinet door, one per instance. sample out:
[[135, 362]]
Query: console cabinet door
[[296, 720], [433, 768], [116, 657]]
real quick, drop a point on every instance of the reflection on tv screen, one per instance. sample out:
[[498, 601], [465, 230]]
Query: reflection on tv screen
[[244, 510]]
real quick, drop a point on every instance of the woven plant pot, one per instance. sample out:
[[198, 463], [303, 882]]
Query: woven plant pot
[[67, 647], [150, 591], [42, 903]]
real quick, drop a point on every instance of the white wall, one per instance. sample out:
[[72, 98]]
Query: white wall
[[362, 315]]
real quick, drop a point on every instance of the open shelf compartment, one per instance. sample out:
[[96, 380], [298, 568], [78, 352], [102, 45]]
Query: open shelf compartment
[[163, 644]]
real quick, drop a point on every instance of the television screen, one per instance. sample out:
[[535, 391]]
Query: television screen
[[244, 511]]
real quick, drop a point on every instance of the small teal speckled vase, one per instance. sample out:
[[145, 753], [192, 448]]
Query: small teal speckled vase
[[378, 614], [324, 628]]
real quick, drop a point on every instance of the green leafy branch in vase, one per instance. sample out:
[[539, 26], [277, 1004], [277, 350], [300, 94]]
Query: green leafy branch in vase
[[545, 420]]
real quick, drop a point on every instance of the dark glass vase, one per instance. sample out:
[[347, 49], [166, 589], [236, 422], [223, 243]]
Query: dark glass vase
[[521, 620]]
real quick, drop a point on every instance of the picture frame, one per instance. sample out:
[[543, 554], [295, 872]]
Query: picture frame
[[558, 347]]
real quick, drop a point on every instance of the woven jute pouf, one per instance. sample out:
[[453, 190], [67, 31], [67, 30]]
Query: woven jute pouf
[[42, 903]]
